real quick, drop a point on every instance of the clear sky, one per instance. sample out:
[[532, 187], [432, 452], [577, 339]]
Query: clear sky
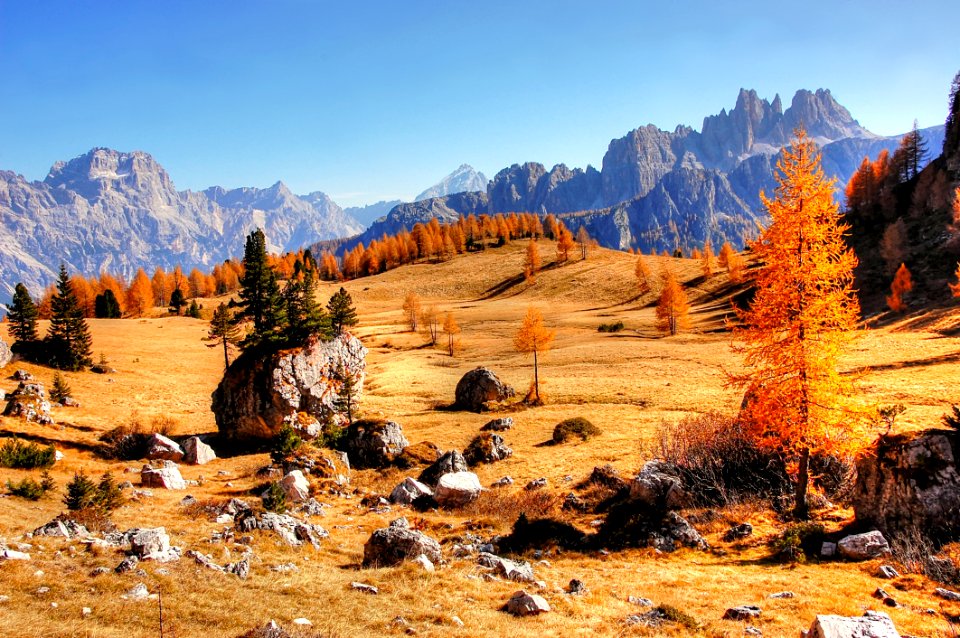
[[378, 100]]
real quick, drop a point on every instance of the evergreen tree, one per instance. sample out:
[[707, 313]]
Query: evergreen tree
[[304, 316], [22, 314], [346, 400], [193, 310], [177, 301], [260, 298], [223, 331], [81, 493], [60, 390], [342, 313], [68, 342], [106, 306]]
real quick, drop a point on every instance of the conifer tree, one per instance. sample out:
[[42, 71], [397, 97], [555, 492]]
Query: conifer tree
[[177, 301], [565, 243], [725, 251], [431, 323], [534, 337], [60, 390], [346, 400], [106, 306], [224, 332], [902, 284], [707, 260], [68, 341], [801, 318], [672, 307], [342, 312], [22, 314], [642, 272], [260, 298]]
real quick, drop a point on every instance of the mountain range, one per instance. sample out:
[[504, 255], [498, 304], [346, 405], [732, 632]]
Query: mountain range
[[656, 190]]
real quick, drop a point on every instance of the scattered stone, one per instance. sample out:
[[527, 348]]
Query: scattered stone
[[888, 572], [520, 572], [138, 592], [573, 503], [750, 630], [408, 491], [576, 587], [160, 447], [240, 569], [29, 401], [456, 621], [607, 476], [19, 375], [479, 388], [424, 563], [536, 484], [743, 612], [658, 486], [99, 571], [502, 482], [4, 599], [871, 625], [639, 602], [128, 564], [284, 568], [270, 630], [64, 528], [196, 452], [392, 545], [10, 554], [782, 594], [828, 549], [204, 560], [166, 476], [738, 532], [302, 622], [498, 425], [295, 486], [457, 489], [486, 448], [524, 604], [364, 588], [152, 544], [293, 531], [448, 463], [864, 546], [43, 590], [86, 611], [374, 443], [946, 594]]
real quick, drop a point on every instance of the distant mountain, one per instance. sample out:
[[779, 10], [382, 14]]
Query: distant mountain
[[368, 214], [463, 180], [108, 210]]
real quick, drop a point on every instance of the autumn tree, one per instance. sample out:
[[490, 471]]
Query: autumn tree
[[803, 314], [411, 310], [707, 259], [140, 294], [451, 329], [902, 284], [642, 272], [565, 243], [224, 332], [725, 251], [430, 318], [531, 264], [672, 308], [161, 290], [736, 264], [534, 337], [583, 240]]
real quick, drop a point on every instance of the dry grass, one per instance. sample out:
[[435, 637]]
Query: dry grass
[[627, 383]]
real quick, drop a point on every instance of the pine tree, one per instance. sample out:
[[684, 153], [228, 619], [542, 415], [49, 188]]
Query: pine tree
[[342, 313], [672, 307], [260, 298], [68, 341], [802, 316], [106, 306], [81, 493], [22, 314], [60, 390], [177, 301], [534, 337], [902, 284], [346, 400], [224, 332]]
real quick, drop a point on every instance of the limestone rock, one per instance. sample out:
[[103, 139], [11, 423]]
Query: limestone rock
[[196, 452], [152, 544], [912, 482], [295, 487], [166, 476], [448, 463], [947, 594], [6, 355], [524, 604], [498, 425], [299, 386], [29, 401], [394, 544], [160, 447], [364, 588], [270, 630], [658, 486], [291, 530], [743, 612], [457, 489], [521, 572], [871, 625], [864, 546], [479, 387], [11, 554], [374, 442], [138, 592], [408, 491], [486, 448], [64, 528]]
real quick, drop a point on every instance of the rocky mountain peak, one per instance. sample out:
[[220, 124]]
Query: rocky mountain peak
[[465, 179], [824, 118], [102, 170]]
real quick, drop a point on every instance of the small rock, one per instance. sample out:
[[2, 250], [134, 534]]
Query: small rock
[[888, 572], [86, 611], [828, 549], [364, 588], [457, 489], [743, 612], [9, 554], [738, 532], [639, 602], [503, 482], [302, 622], [139, 592], [536, 484], [43, 590], [750, 630], [456, 621], [864, 546], [408, 491], [946, 594], [576, 587], [128, 564], [424, 563], [521, 572], [782, 594], [498, 425], [196, 452], [524, 604], [160, 447]]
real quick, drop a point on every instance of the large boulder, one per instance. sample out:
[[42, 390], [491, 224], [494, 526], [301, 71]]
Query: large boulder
[[408, 491], [6, 355], [397, 543], [374, 442], [448, 463], [873, 624], [478, 388], [160, 447], [295, 486], [864, 546], [260, 392], [166, 476], [29, 401], [911, 483], [457, 489], [658, 486], [486, 448], [196, 452]]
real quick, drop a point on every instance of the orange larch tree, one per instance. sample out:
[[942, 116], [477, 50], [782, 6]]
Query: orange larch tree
[[531, 263], [140, 294], [803, 315], [583, 240], [642, 272], [451, 329], [707, 259], [411, 310], [565, 243], [672, 308], [725, 251], [534, 337], [902, 284]]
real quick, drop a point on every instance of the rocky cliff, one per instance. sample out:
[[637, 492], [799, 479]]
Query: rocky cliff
[[463, 180]]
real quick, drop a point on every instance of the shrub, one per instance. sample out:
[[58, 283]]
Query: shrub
[[275, 500], [504, 507], [129, 442], [671, 613], [799, 541], [331, 436], [952, 420], [284, 444], [60, 389], [577, 426], [26, 456], [30, 489], [613, 326], [539, 533], [83, 494]]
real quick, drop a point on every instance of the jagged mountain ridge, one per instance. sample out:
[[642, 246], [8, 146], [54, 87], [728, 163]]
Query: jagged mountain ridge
[[660, 190], [108, 210], [463, 180]]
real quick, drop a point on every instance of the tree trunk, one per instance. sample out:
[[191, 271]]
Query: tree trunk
[[803, 477], [536, 377], [226, 356]]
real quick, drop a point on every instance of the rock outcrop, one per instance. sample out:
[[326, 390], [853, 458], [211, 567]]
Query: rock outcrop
[[480, 387], [259, 393], [397, 543], [374, 442], [873, 624], [911, 483], [6, 355], [486, 448], [29, 401]]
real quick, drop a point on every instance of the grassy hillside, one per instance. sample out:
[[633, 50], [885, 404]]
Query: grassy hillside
[[628, 383]]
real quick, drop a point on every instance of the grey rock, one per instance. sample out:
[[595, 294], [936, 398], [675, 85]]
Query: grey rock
[[448, 463], [536, 484], [947, 594], [22, 375], [269, 630], [295, 486], [828, 549], [395, 544], [870, 625], [160, 447], [152, 544], [486, 448], [408, 491], [743, 612], [738, 532], [424, 563], [299, 386], [498, 425], [521, 572], [138, 592], [576, 587], [292, 531], [782, 594], [29, 401], [364, 588], [240, 569], [941, 569], [864, 546], [479, 387], [374, 443], [196, 452], [457, 489], [502, 482], [12, 554], [888, 572], [523, 604], [204, 560], [68, 529], [128, 564], [167, 477], [658, 486], [6, 355], [639, 602]]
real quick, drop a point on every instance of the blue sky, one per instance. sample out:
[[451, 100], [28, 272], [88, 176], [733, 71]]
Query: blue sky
[[379, 100]]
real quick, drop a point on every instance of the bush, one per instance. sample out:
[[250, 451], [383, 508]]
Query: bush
[[129, 442], [613, 326], [60, 389], [275, 500], [83, 494], [331, 437], [952, 420], [577, 426], [30, 489], [284, 444], [799, 541], [26, 456]]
